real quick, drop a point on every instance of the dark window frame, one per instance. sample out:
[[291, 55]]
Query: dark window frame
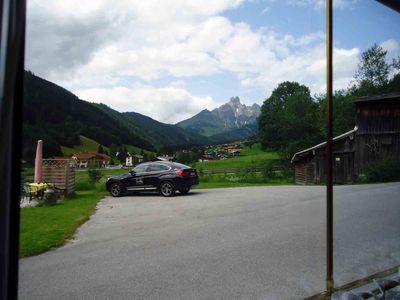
[[12, 36]]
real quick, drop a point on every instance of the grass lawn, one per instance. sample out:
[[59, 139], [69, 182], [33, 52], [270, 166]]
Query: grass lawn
[[241, 179], [46, 227], [248, 157], [105, 172], [227, 184]]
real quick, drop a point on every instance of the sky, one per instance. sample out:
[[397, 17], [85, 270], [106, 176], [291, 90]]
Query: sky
[[170, 59]]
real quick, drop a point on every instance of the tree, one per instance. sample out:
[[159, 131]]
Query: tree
[[113, 150], [100, 149], [343, 112], [373, 67], [122, 153], [94, 174], [375, 74], [288, 120], [188, 157]]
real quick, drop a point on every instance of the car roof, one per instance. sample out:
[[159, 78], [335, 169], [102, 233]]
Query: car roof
[[168, 163], [158, 162], [165, 163]]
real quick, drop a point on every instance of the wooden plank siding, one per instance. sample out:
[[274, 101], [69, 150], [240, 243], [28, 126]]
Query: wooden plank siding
[[304, 173], [61, 173], [378, 136]]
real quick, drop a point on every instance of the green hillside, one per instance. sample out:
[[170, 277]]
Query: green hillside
[[166, 135], [59, 118], [89, 145], [86, 145]]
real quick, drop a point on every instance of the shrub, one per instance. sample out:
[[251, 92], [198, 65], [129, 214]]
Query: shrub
[[251, 176], [83, 185], [94, 175], [205, 178], [267, 171], [382, 171], [201, 172], [287, 169]]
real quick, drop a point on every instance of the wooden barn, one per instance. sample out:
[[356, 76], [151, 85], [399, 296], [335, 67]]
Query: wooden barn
[[376, 137]]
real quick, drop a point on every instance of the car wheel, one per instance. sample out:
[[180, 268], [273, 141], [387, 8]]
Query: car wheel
[[184, 191], [167, 189], [116, 189]]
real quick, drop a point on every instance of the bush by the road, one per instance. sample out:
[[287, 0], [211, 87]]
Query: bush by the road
[[382, 171], [83, 185], [94, 174]]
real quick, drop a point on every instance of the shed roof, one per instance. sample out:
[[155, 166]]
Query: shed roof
[[389, 96], [339, 137]]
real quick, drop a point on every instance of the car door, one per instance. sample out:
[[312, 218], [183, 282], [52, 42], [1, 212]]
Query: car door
[[136, 181], [152, 175]]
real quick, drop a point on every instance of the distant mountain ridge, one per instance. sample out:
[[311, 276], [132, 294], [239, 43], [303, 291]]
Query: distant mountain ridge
[[165, 135], [59, 118], [233, 118]]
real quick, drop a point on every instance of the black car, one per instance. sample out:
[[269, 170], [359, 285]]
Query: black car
[[163, 176]]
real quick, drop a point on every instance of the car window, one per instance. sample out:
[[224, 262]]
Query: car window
[[181, 166], [164, 168], [157, 168], [153, 168], [140, 168]]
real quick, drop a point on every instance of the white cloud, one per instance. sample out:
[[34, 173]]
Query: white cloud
[[309, 68], [391, 46], [64, 36], [98, 48], [169, 104]]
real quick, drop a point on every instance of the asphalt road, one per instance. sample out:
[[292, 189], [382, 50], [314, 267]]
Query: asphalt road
[[237, 243]]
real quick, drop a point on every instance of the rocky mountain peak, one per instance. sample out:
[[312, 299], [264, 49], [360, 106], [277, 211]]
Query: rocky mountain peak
[[234, 118], [235, 114], [235, 101]]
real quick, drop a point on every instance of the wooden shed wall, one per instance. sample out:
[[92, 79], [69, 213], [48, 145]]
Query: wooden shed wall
[[61, 173], [304, 173], [378, 135], [343, 161]]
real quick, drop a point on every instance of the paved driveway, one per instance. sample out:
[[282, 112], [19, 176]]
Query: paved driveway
[[237, 243]]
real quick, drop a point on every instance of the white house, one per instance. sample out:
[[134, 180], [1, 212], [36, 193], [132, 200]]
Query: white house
[[129, 160]]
